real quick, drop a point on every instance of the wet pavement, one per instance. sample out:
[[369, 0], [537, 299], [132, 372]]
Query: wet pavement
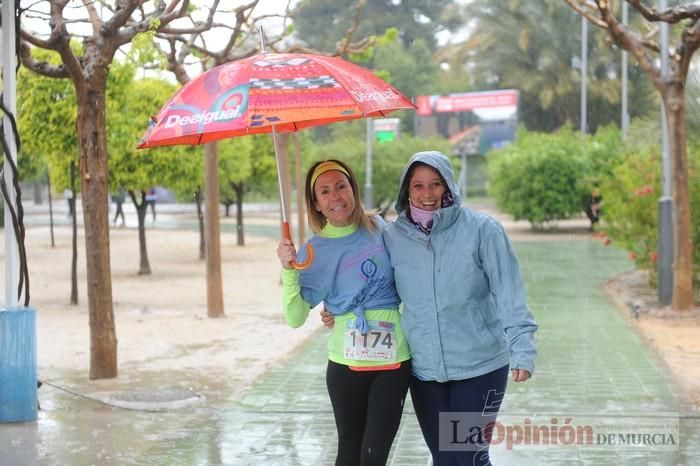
[[592, 368]]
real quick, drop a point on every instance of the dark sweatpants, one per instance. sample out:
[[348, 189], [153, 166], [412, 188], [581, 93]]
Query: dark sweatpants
[[482, 394]]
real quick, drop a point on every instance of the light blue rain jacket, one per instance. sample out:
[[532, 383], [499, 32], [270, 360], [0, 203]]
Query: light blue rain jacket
[[464, 307]]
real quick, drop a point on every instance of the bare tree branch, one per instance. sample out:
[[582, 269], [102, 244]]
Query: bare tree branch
[[631, 42], [690, 41], [126, 34], [243, 13], [176, 65], [35, 41], [125, 8], [59, 40], [298, 48], [42, 68], [359, 47], [586, 9], [344, 44], [170, 9], [670, 15], [623, 37], [95, 19]]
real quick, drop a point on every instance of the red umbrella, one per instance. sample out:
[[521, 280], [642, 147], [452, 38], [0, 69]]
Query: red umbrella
[[271, 92]]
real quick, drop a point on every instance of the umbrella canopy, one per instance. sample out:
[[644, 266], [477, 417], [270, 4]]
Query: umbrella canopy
[[271, 91]]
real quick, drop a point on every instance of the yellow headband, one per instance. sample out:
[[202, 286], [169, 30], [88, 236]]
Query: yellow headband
[[324, 167]]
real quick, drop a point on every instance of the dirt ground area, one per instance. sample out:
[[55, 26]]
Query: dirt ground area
[[161, 319], [673, 335]]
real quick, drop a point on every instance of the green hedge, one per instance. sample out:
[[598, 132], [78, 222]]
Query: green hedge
[[544, 177], [540, 177]]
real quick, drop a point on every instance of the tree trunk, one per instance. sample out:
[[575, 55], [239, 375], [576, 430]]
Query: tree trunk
[[74, 257], [215, 291], [92, 144], [238, 188], [141, 208], [200, 220], [683, 296]]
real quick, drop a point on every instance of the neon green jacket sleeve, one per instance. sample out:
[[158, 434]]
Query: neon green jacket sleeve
[[296, 310]]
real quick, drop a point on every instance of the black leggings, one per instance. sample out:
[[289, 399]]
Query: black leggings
[[367, 406]]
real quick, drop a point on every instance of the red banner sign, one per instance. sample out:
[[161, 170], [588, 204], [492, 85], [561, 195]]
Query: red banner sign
[[427, 104]]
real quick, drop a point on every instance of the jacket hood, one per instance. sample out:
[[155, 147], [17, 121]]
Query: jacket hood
[[439, 162]]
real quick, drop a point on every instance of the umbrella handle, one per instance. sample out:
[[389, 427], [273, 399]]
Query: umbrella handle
[[309, 250]]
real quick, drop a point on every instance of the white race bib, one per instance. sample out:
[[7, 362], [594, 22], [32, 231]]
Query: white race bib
[[379, 344]]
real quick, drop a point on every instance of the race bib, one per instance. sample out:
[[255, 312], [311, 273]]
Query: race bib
[[379, 344]]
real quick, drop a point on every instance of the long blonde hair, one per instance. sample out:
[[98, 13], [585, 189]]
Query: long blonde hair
[[317, 220]]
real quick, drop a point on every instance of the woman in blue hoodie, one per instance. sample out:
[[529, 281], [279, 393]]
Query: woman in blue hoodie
[[465, 313]]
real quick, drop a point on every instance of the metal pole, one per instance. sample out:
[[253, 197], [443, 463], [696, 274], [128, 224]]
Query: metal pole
[[463, 176], [280, 180], [369, 198], [9, 99], [666, 246], [664, 126], [625, 120], [280, 170], [261, 36], [584, 71], [18, 376], [301, 214]]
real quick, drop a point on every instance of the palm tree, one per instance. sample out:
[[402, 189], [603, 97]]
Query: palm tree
[[535, 47]]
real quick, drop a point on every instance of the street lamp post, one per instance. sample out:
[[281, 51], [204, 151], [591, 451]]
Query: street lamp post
[[18, 374], [665, 256], [369, 198], [625, 121], [9, 100], [584, 71]]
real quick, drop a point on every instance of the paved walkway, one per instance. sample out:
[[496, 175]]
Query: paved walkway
[[591, 364]]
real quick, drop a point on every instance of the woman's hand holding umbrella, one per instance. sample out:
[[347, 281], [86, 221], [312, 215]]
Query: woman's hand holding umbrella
[[287, 254]]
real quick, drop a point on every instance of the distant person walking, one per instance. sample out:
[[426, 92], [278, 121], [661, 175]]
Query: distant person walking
[[119, 199], [68, 195], [151, 198]]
